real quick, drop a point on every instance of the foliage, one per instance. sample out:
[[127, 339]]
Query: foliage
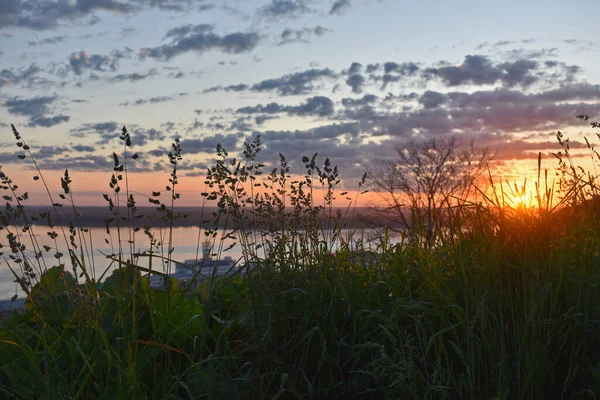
[[504, 306], [426, 179]]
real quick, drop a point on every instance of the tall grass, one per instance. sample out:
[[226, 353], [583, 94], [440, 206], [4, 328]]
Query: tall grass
[[505, 305]]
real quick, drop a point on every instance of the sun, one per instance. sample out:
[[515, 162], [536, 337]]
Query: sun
[[523, 201]]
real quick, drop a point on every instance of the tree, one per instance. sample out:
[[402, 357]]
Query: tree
[[426, 179]]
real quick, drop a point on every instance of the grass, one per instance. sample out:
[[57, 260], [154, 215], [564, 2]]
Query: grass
[[505, 305]]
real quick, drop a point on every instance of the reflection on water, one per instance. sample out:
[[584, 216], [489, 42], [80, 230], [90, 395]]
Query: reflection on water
[[185, 241]]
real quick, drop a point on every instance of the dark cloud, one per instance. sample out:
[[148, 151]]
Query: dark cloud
[[278, 9], [46, 152], [392, 71], [331, 131], [432, 99], [260, 119], [490, 98], [107, 132], [93, 162], [325, 140], [100, 128], [40, 153], [154, 100], [499, 112], [83, 148], [363, 101], [231, 88], [119, 54], [525, 54], [318, 106], [82, 61], [20, 76], [47, 122], [355, 68], [176, 75], [355, 78], [339, 7], [371, 68], [41, 15], [240, 125], [294, 84], [189, 29], [46, 14], [301, 35], [520, 149], [36, 109], [356, 82], [176, 5], [479, 70], [134, 77], [200, 39], [49, 40], [168, 126], [208, 144], [518, 72]]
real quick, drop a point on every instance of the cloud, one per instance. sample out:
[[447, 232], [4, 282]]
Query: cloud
[[500, 96], [479, 70], [261, 119], [518, 72], [482, 113], [46, 14], [339, 7], [154, 100], [240, 125], [208, 144], [82, 61], [394, 72], [100, 128], [278, 9], [189, 29], [36, 109], [231, 88], [83, 148], [363, 101], [200, 39], [48, 40], [110, 131], [325, 140], [317, 106], [176, 5], [300, 35], [40, 153], [22, 75], [93, 162], [356, 82], [42, 15], [432, 99], [525, 54], [134, 76], [355, 79], [48, 121], [355, 68], [294, 84]]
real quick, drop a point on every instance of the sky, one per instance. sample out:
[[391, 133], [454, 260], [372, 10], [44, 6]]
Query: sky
[[350, 79]]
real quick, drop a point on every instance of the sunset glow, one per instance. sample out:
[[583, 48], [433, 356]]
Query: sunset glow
[[325, 77]]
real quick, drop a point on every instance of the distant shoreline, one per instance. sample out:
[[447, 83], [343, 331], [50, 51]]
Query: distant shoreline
[[95, 217]]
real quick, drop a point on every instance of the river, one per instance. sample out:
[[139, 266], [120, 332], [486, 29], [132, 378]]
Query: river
[[185, 244]]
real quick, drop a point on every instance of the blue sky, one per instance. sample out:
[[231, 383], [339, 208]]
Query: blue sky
[[351, 79]]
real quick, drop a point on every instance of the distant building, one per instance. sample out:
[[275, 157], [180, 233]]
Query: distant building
[[198, 270], [7, 307]]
